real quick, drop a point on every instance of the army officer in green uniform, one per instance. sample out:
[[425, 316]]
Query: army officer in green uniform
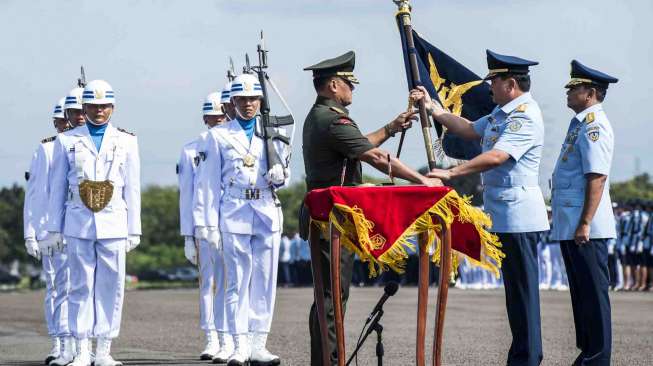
[[332, 142]]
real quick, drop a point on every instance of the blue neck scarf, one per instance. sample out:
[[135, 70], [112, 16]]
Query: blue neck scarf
[[248, 126], [97, 133]]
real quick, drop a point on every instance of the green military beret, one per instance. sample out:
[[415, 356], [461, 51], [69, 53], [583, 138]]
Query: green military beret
[[342, 66]]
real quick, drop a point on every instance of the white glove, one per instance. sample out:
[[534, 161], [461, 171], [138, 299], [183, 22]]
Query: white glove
[[276, 175], [190, 251], [52, 240], [32, 248], [214, 238], [622, 250], [132, 242], [201, 232], [640, 246]]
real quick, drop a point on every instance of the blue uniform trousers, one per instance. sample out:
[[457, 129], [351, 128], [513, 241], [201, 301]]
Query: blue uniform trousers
[[521, 282], [587, 269]]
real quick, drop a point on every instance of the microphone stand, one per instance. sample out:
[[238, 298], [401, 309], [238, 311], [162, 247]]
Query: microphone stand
[[378, 328]]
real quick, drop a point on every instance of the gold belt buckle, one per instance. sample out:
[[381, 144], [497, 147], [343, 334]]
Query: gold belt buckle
[[95, 194]]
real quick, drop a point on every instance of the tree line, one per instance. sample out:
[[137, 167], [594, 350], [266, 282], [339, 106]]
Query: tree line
[[162, 246]]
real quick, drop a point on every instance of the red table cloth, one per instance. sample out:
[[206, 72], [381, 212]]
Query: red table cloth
[[380, 223]]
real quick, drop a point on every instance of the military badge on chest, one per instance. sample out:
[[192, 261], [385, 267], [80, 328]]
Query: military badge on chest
[[249, 160], [95, 194]]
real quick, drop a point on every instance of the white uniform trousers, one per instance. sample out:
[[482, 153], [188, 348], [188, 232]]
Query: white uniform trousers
[[97, 278], [251, 263], [207, 255], [62, 286], [219, 307], [55, 270], [50, 293]]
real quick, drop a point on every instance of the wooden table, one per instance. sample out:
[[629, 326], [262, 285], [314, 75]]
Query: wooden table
[[423, 287]]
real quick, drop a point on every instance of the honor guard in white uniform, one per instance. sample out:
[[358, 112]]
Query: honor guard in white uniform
[[583, 220], [511, 137], [200, 252], [95, 205], [73, 113], [236, 189], [34, 219]]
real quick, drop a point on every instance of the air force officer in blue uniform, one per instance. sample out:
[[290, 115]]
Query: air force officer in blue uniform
[[511, 139], [582, 211]]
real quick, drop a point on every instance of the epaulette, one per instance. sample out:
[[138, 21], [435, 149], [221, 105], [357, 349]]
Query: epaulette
[[521, 108], [125, 131], [590, 117], [337, 110], [49, 139]]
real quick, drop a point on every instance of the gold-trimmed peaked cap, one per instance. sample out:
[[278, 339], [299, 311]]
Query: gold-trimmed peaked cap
[[342, 66], [581, 74], [503, 64]]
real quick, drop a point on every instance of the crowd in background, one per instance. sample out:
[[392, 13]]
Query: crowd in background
[[630, 260]]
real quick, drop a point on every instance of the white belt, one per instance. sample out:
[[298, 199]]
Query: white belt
[[73, 196], [249, 193]]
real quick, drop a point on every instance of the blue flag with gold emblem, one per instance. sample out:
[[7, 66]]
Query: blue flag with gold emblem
[[457, 88]]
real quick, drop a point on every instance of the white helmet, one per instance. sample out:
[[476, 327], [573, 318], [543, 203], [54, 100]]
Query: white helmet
[[98, 92], [212, 105], [74, 99], [58, 109], [226, 93], [245, 85]]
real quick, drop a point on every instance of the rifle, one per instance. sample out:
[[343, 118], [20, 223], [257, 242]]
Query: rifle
[[81, 81], [269, 123], [231, 73]]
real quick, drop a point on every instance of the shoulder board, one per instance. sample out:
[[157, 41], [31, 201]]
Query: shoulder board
[[125, 131], [49, 139], [590, 117], [337, 110], [521, 108]]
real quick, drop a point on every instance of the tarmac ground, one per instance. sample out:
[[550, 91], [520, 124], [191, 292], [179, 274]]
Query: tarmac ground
[[160, 327]]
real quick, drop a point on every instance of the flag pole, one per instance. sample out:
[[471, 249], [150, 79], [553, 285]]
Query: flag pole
[[406, 32]]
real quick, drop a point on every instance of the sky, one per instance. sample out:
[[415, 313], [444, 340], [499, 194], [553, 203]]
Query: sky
[[163, 57]]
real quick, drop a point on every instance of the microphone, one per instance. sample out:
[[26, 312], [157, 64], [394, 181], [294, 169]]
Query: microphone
[[390, 289]]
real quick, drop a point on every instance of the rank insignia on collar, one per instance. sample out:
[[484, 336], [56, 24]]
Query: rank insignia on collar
[[521, 108], [590, 117], [514, 126], [337, 110], [593, 135]]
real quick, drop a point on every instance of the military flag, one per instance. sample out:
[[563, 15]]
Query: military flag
[[457, 88]]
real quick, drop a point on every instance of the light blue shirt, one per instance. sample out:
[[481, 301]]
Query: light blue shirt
[[97, 133], [587, 148], [512, 194]]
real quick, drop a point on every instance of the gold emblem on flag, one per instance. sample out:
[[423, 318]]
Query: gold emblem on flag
[[95, 194], [450, 94], [249, 160]]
